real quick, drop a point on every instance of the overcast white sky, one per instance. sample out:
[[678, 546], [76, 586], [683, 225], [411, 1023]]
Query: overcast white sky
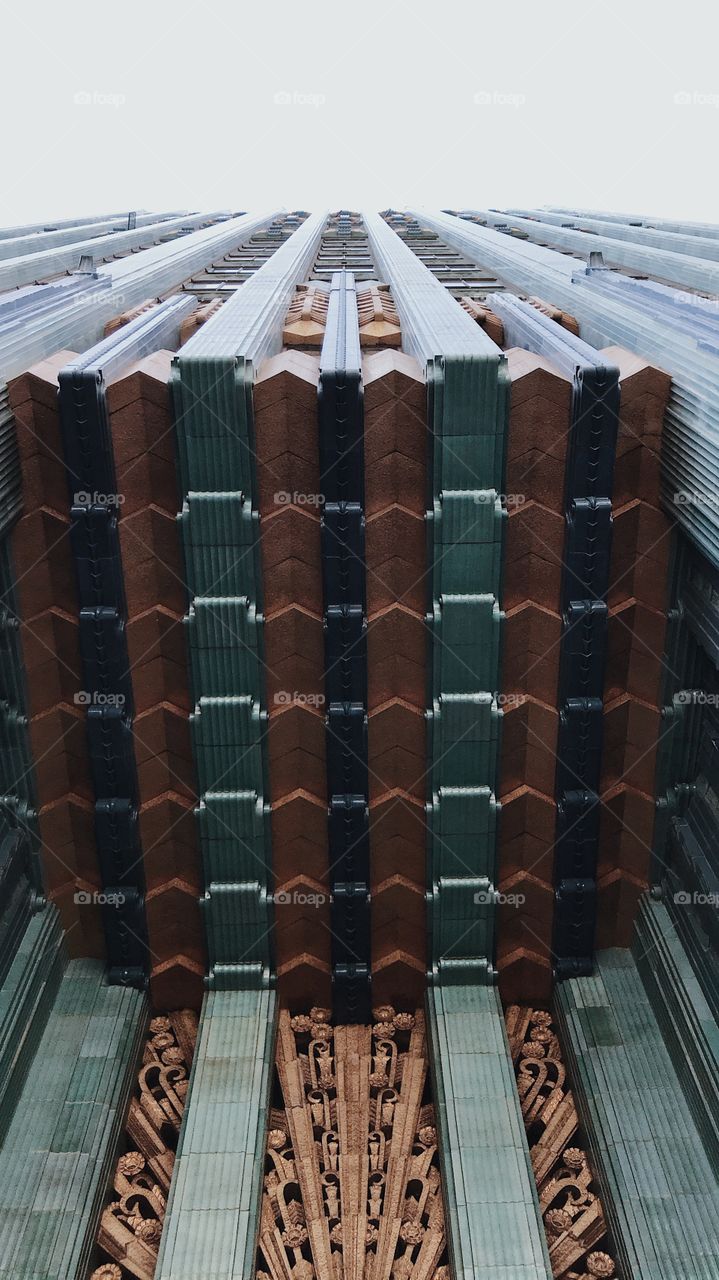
[[206, 104]]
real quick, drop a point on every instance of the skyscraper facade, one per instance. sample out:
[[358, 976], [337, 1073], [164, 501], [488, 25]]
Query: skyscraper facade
[[359, 739]]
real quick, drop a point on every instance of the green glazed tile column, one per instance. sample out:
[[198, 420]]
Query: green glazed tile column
[[212, 1213]]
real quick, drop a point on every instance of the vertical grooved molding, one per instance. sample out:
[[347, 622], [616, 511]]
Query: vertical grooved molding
[[107, 695], [341, 431], [585, 580]]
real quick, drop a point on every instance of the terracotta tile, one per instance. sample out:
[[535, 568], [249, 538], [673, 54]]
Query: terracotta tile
[[631, 732], [531, 653], [528, 753]]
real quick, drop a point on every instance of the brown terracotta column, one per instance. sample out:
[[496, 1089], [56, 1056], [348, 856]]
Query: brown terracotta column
[[143, 442], [288, 480], [641, 545], [395, 447], [539, 422]]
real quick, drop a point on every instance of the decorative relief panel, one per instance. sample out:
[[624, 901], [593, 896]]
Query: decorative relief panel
[[352, 1184], [568, 1198], [131, 1223]]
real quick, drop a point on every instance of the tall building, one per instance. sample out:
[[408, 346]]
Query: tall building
[[359, 737]]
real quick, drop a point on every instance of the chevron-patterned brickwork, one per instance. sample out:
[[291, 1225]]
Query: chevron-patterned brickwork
[[420, 686], [396, 445], [49, 636], [539, 423], [95, 505], [140, 415], [289, 487], [587, 511], [637, 599]]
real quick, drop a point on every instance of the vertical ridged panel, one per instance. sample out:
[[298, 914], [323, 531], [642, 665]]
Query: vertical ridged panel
[[695, 271], [661, 1195], [62, 1139], [494, 1226], [588, 485], [52, 262], [72, 312], [467, 393], [212, 385], [684, 1015], [340, 416], [672, 329], [212, 1212], [94, 502]]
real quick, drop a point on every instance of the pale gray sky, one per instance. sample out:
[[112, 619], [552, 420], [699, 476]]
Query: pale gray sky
[[206, 104]]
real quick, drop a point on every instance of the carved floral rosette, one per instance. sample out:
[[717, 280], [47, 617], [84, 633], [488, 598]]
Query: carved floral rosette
[[571, 1209], [352, 1184], [131, 1223]]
